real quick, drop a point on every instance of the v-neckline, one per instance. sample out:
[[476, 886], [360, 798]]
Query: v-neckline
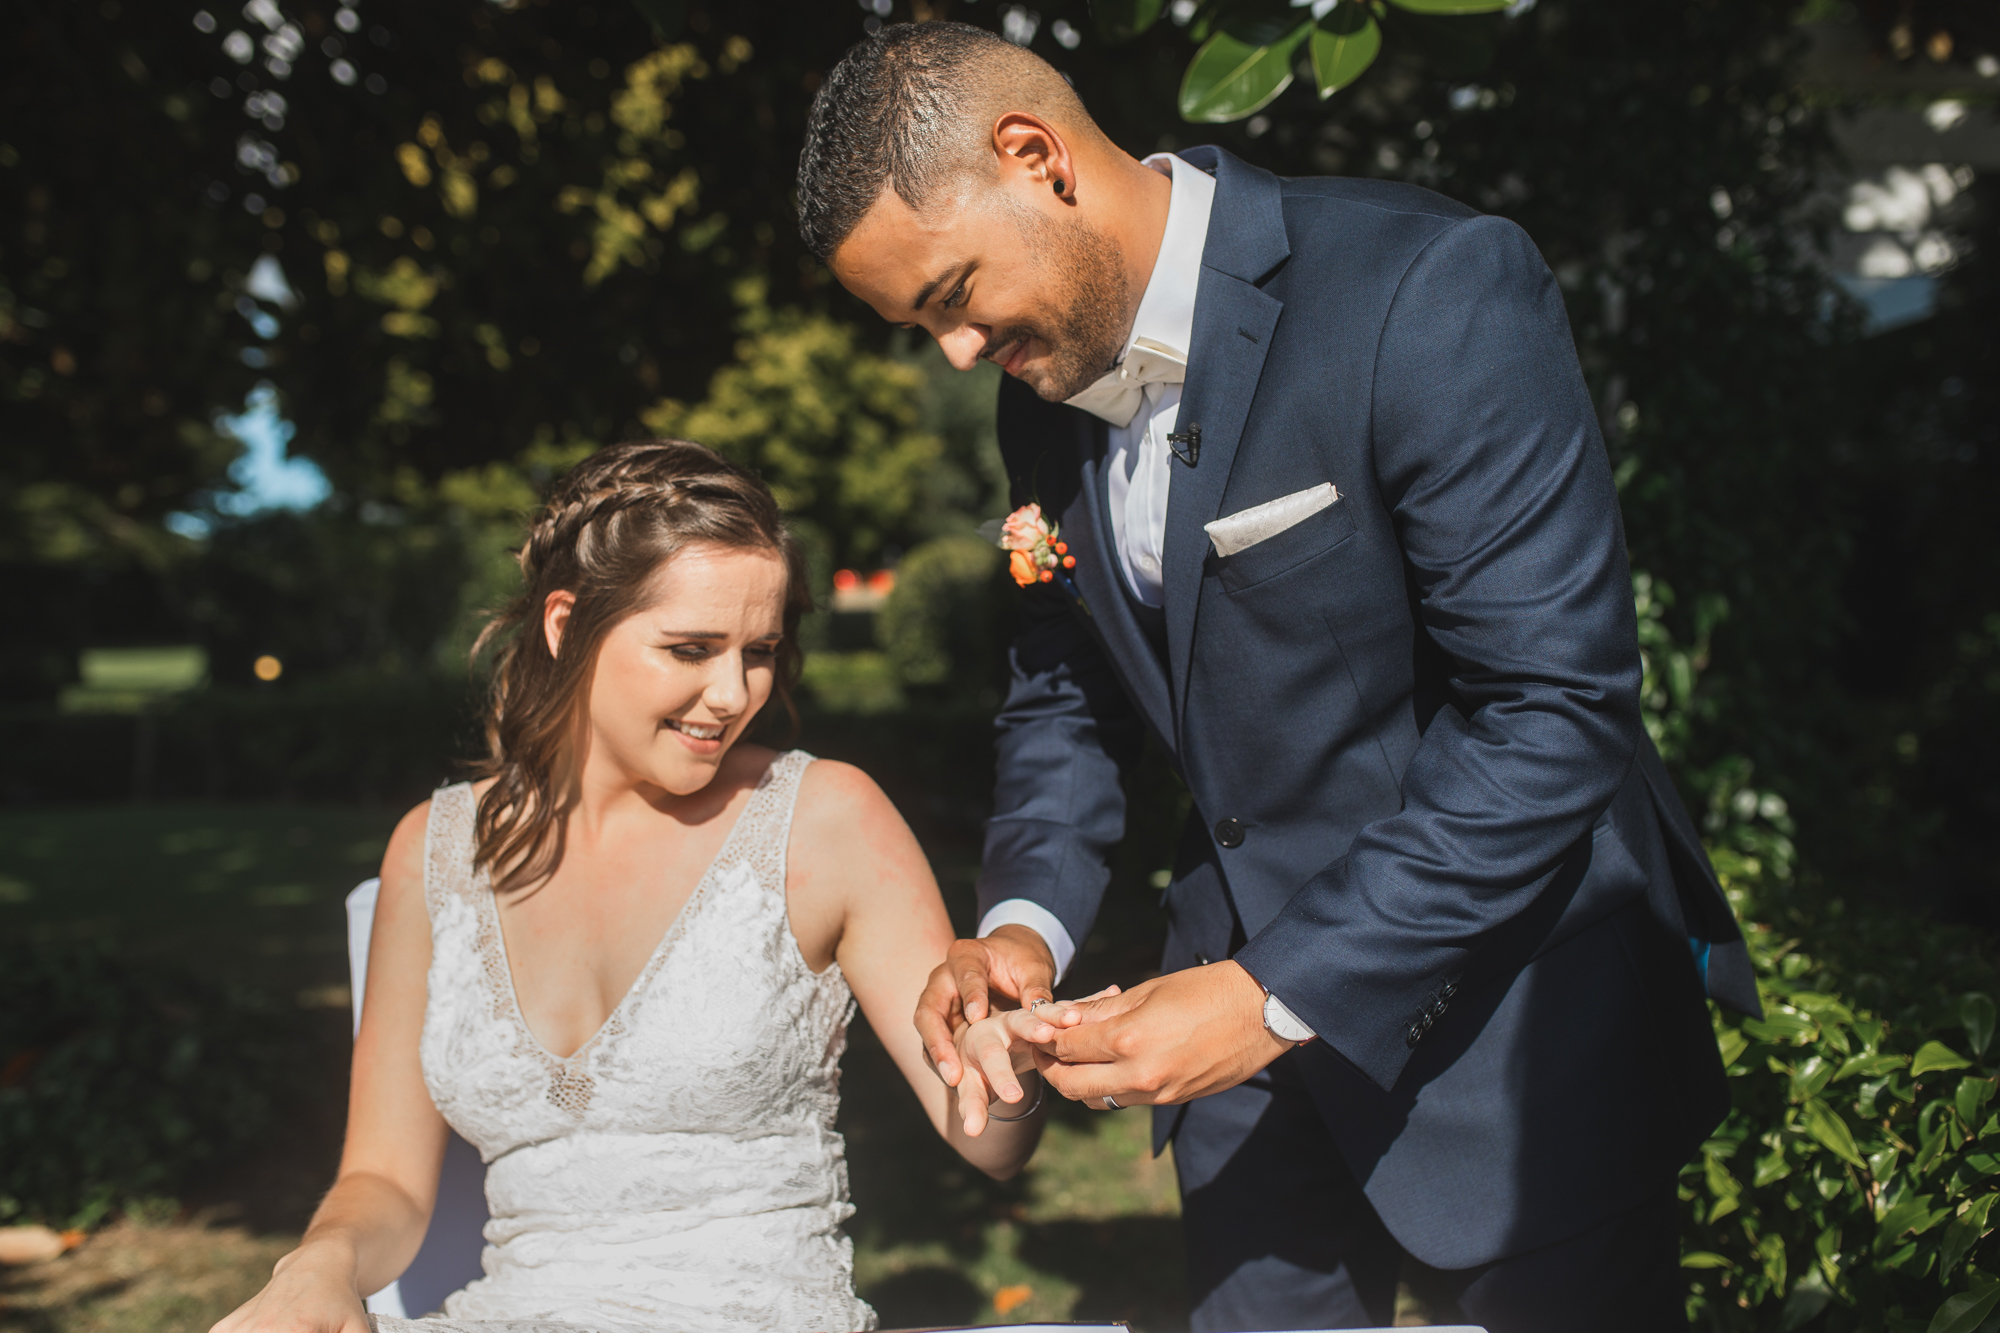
[[675, 928]]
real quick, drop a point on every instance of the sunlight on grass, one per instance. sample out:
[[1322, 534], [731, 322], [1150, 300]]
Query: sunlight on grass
[[1097, 1236]]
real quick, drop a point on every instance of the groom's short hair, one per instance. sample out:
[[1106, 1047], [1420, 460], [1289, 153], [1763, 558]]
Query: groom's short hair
[[912, 107]]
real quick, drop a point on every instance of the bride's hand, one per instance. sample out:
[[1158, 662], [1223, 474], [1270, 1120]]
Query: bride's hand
[[1000, 1048], [311, 1291]]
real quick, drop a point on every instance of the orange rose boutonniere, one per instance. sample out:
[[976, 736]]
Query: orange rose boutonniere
[[1035, 547]]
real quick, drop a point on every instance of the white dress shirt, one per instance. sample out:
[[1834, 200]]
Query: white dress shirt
[[1138, 466]]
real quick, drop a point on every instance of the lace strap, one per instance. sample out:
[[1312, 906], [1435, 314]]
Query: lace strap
[[448, 845], [766, 823]]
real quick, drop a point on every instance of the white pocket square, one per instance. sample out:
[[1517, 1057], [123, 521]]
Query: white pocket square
[[1239, 532]]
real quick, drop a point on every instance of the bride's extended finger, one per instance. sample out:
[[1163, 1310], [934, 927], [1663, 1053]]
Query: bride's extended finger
[[996, 1062]]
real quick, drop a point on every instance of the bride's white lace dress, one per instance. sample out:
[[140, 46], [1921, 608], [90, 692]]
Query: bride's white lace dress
[[680, 1171]]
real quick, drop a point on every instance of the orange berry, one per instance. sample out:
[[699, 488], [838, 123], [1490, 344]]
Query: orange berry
[[1069, 562], [1048, 576], [1062, 548]]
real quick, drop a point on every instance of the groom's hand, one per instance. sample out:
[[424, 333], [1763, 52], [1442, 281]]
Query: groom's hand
[[1168, 1040], [1013, 960]]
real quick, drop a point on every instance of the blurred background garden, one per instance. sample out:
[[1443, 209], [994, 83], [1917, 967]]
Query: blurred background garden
[[303, 302]]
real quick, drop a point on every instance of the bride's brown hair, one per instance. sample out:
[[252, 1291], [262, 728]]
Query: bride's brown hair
[[607, 529]]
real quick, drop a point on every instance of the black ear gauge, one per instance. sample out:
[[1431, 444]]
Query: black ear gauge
[[1059, 185]]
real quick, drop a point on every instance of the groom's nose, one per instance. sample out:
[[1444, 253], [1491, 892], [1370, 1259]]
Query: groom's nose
[[963, 344]]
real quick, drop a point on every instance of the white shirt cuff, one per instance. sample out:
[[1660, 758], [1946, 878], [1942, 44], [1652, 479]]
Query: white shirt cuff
[[1022, 912]]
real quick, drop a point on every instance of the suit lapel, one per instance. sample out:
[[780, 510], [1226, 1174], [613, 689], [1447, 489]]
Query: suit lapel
[[1233, 323], [1087, 529]]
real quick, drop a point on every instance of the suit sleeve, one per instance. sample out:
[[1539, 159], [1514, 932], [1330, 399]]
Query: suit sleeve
[[1488, 457], [1065, 732]]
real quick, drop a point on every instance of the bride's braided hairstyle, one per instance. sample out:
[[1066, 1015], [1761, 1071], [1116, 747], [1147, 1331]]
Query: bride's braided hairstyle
[[607, 529]]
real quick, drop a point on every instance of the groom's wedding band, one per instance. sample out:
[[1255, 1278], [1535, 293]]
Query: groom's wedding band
[[1110, 1105]]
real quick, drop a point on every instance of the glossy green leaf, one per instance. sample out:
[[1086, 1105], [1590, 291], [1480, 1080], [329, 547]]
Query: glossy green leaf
[[1933, 1055], [1230, 77], [1976, 1012], [1963, 1233], [1450, 6], [1870, 1065], [1720, 1182], [1122, 20], [1772, 1250], [1704, 1259], [1730, 1043], [1344, 43], [1810, 1077], [1831, 1132], [1821, 1006], [1771, 1166], [1910, 1217], [1973, 1094], [1809, 1296], [1983, 1163], [1966, 1312], [1778, 1025]]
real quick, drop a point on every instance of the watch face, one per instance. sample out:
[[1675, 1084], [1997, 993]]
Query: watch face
[[1282, 1023]]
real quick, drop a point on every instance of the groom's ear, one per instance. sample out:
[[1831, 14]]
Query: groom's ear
[[1034, 159]]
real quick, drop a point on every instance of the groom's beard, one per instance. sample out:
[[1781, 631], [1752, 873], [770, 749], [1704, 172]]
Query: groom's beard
[[1087, 331]]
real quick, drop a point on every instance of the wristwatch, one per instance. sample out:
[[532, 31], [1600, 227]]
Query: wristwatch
[[1282, 1023]]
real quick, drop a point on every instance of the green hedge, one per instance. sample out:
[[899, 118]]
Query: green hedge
[[344, 738], [119, 1080], [1852, 1186]]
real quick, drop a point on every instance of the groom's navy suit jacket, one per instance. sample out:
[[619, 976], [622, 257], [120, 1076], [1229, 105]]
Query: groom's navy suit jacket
[[1456, 854]]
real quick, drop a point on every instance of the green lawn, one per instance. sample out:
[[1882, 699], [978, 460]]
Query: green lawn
[[254, 892]]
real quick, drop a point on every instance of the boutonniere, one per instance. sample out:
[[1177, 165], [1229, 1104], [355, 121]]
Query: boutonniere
[[1035, 547], [1036, 552]]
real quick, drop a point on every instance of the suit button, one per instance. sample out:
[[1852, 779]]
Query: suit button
[[1416, 1034], [1201, 959], [1229, 832]]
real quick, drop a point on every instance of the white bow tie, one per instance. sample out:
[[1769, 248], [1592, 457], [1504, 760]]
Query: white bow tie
[[1117, 396]]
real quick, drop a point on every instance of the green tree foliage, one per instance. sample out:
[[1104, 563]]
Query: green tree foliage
[[118, 279], [1855, 1180], [1249, 49], [833, 428]]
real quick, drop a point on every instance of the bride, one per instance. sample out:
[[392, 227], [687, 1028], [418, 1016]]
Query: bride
[[622, 963]]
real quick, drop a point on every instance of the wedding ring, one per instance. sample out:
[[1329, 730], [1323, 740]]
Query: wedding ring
[[1110, 1105], [1039, 1002]]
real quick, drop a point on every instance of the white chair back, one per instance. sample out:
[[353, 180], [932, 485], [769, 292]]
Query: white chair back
[[451, 1250]]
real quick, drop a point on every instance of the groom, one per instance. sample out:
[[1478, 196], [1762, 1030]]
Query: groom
[[1346, 544]]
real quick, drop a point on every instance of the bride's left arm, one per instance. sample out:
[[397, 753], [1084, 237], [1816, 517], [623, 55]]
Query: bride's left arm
[[860, 891]]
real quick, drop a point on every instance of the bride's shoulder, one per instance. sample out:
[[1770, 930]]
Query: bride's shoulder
[[839, 805], [403, 862]]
